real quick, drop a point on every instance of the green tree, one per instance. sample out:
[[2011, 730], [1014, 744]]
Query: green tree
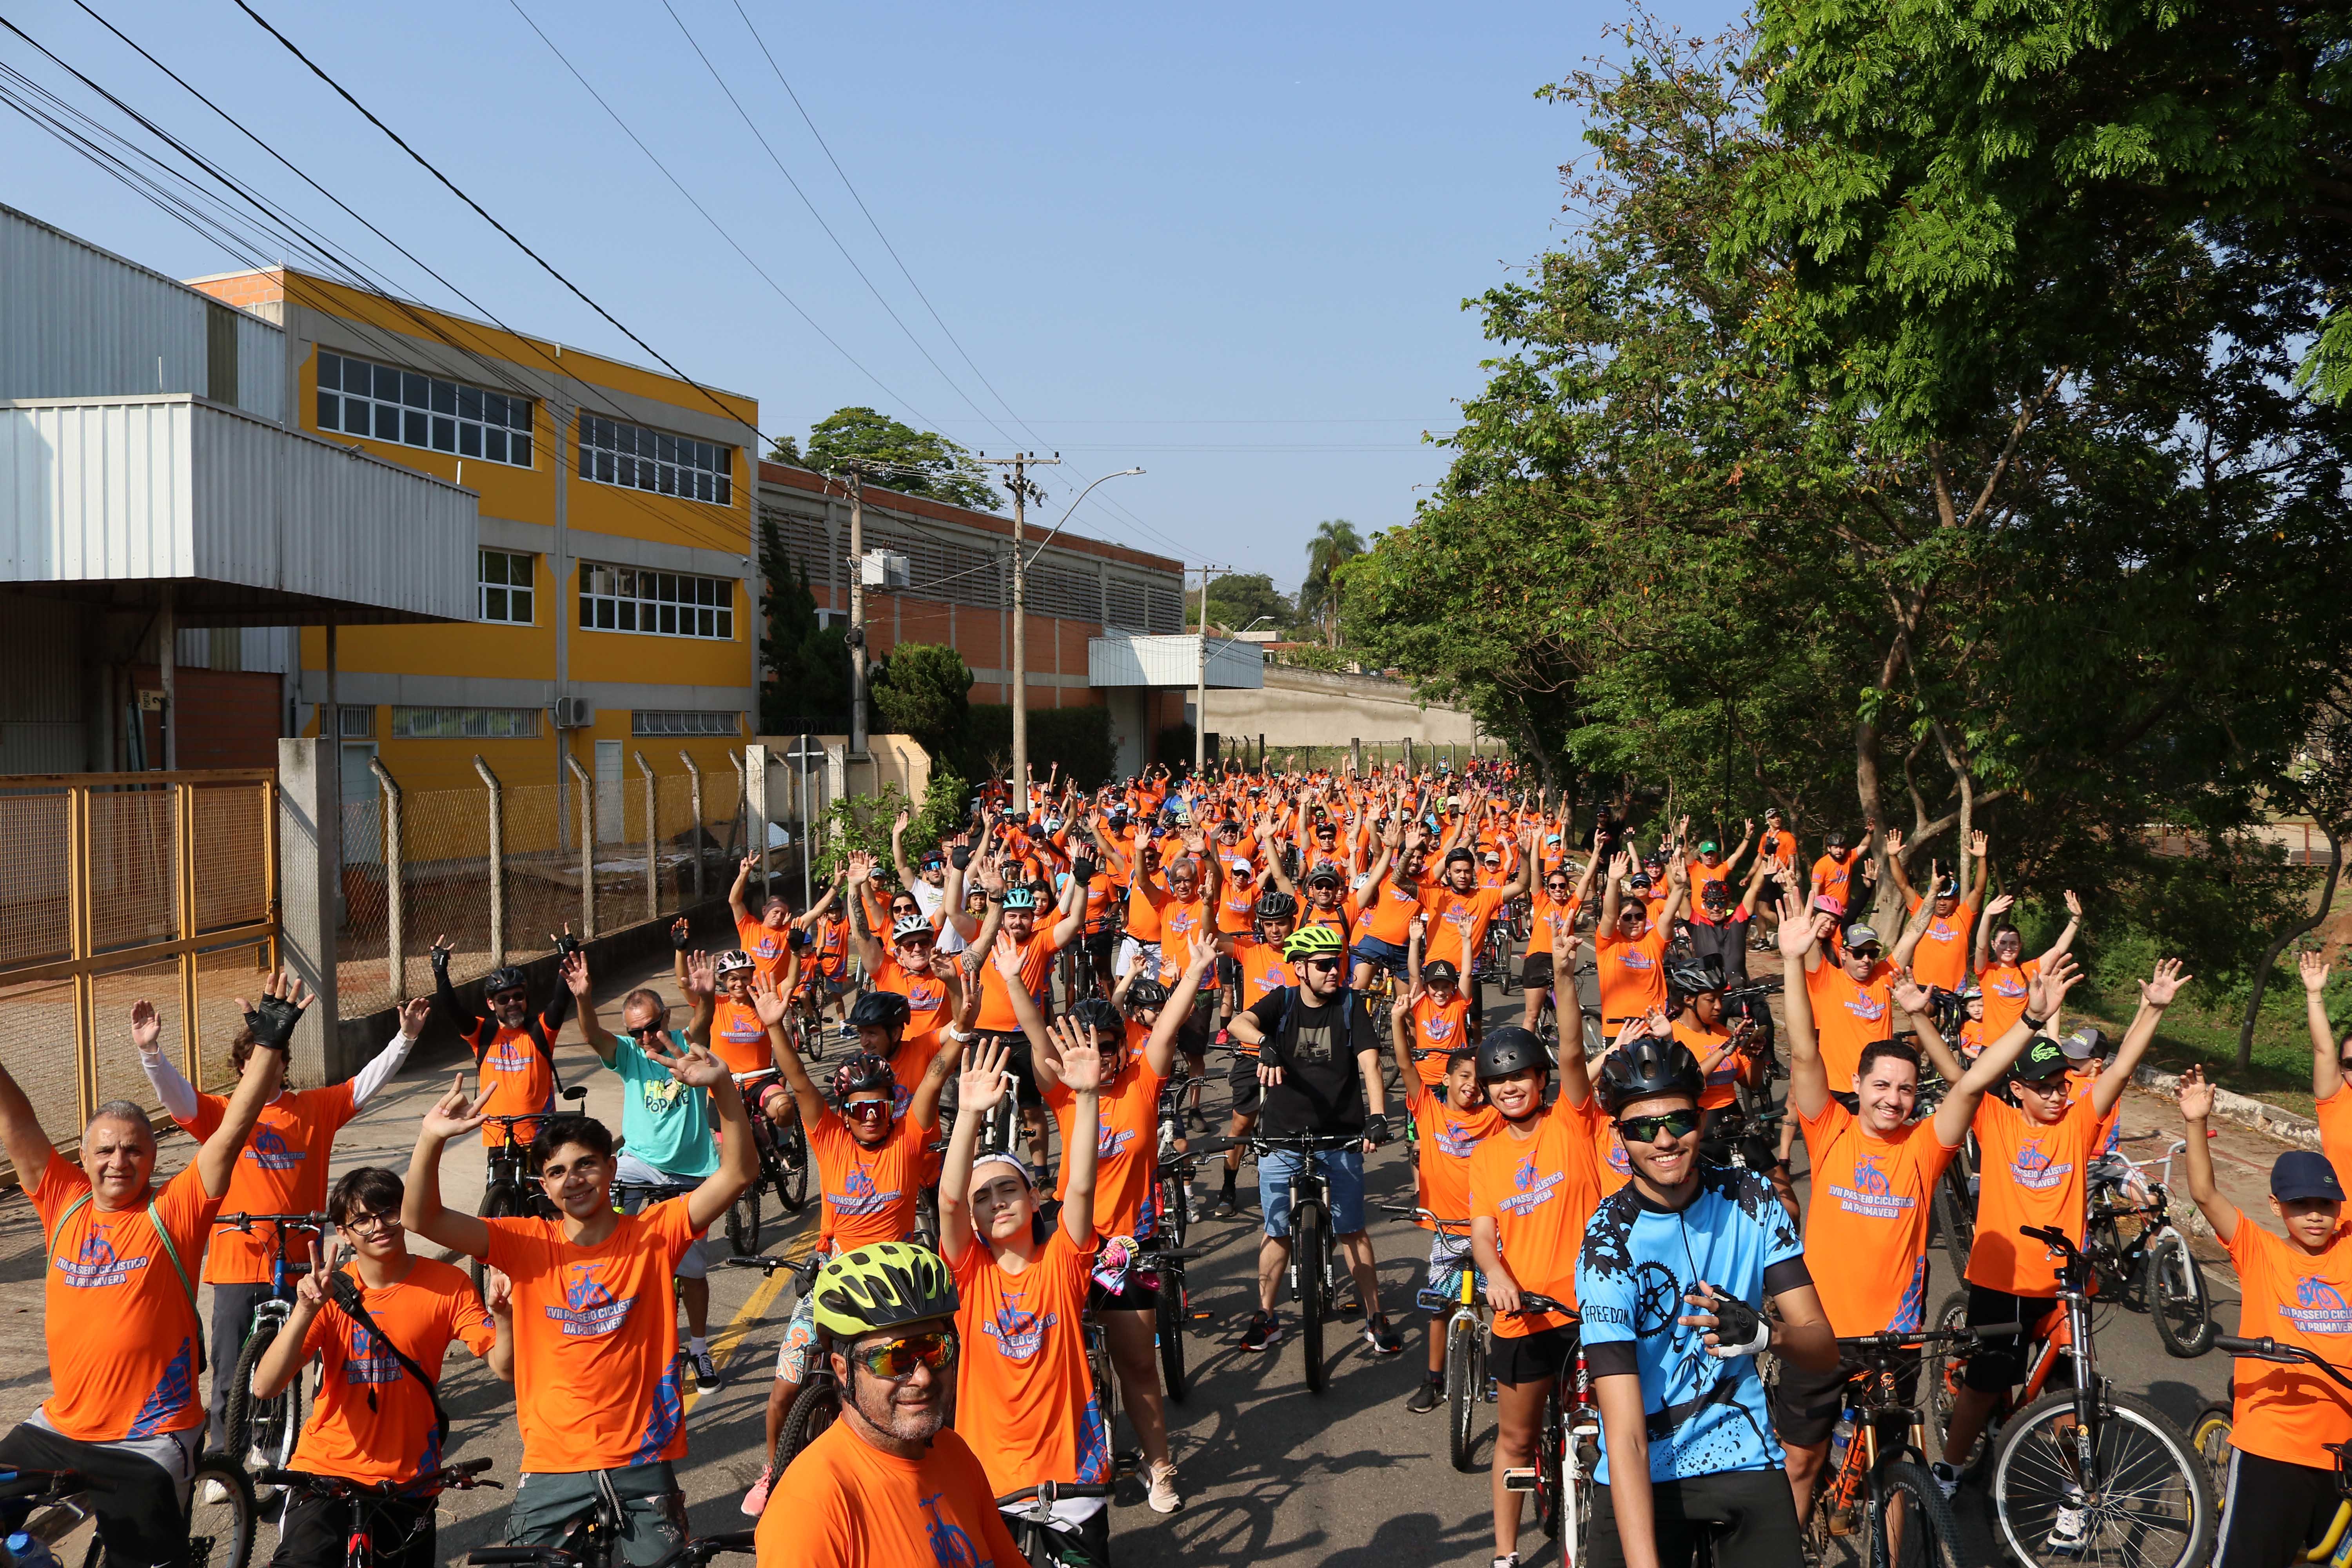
[[1238, 598], [924, 690], [786, 449], [806, 667], [1336, 543], [900, 457]]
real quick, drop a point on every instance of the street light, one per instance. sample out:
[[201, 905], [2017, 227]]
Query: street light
[[1021, 639]]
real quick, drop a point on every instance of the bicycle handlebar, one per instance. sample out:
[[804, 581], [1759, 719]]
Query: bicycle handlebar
[[523, 1557], [2051, 1236], [1050, 1492], [1282, 1142], [246, 1222], [1530, 1302], [1928, 1336], [460, 1477], [2268, 1349]]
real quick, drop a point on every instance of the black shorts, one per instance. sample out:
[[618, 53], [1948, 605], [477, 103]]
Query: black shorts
[[1025, 1092], [1535, 970], [1248, 1093], [1193, 1034], [1750, 1513], [1229, 973], [317, 1530], [1998, 1365], [1099, 943], [2271, 1511], [1807, 1404], [1539, 1357], [1137, 1297]]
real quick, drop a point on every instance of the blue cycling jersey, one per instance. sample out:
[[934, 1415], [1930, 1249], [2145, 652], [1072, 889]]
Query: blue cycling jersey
[[1706, 1415]]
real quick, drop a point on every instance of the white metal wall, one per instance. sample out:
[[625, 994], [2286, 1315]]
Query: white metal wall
[[1120, 659]]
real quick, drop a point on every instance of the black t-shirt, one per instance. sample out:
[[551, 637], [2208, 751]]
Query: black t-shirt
[[1726, 942], [1322, 1087]]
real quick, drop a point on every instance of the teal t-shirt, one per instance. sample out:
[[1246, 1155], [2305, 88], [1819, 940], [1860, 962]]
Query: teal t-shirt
[[664, 1122]]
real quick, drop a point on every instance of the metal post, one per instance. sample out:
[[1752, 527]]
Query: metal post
[[856, 483], [587, 845], [397, 967], [1408, 756], [498, 863], [701, 834], [753, 764], [1356, 752], [168, 660], [808, 842], [653, 838], [184, 828]]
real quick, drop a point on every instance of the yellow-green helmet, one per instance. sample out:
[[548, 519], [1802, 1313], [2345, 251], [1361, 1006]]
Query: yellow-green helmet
[[883, 1285], [1307, 942]]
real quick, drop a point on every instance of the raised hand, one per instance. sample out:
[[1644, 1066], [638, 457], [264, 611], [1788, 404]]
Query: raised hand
[[2073, 904], [2159, 990], [701, 976], [749, 864], [1894, 842], [1909, 994], [2046, 992], [898, 823], [1081, 1053], [1203, 960], [1661, 1026], [981, 1088], [991, 871], [574, 970], [2000, 905], [2313, 969], [859, 866], [497, 1293], [681, 934], [1977, 843], [2196, 1096], [440, 951], [693, 1067], [147, 1026], [415, 1013], [770, 1003], [456, 1113], [310, 1289]]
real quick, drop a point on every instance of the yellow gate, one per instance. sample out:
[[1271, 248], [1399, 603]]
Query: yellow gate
[[117, 888]]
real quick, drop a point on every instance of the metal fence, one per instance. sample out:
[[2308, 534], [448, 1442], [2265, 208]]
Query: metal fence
[[117, 888], [499, 871], [1370, 756]]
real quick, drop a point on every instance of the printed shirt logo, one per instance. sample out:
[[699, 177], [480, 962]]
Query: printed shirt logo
[[2032, 1167], [2002, 985], [368, 1358], [97, 1264], [270, 1151], [1618, 1160], [925, 993], [589, 1308], [860, 1195], [512, 1054], [1018, 1334], [1870, 1195], [2319, 1309], [950, 1547], [1865, 1006], [1534, 1191], [1455, 1140], [1437, 1028], [1111, 1143], [1634, 958]]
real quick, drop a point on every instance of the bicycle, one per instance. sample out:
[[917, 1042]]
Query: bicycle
[[1042, 1545], [52, 1508], [2154, 1269], [1163, 1270], [2215, 1422], [783, 1169], [507, 1190], [2114, 1456], [1864, 1484], [359, 1545], [263, 1432], [597, 1531], [1316, 1274], [818, 1404], [1467, 1384], [1568, 1448]]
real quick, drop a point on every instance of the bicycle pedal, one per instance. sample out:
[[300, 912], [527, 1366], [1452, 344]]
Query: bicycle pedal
[[1125, 1463], [1844, 1521], [1523, 1481]]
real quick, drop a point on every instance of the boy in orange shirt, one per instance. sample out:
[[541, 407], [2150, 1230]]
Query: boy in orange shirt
[[1451, 1118]]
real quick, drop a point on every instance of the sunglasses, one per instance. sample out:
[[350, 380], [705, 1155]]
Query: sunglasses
[[1326, 961], [1646, 1128], [1867, 954], [866, 1109], [896, 1359]]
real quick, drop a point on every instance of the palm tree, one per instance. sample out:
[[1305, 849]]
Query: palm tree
[[1335, 543]]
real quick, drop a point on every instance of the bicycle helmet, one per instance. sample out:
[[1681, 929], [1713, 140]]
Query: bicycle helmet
[[1442, 973], [1508, 1051], [861, 1074], [500, 981], [905, 926], [1146, 992], [879, 1010], [882, 1286], [1310, 942], [1715, 894], [1020, 898], [1276, 905], [1649, 1069], [734, 961], [1688, 978], [1325, 874], [1104, 1019]]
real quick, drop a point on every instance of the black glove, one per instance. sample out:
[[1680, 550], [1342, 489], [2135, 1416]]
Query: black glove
[[1376, 1128], [272, 1022], [961, 857], [1085, 871], [567, 945], [681, 936], [441, 962], [1739, 1329]]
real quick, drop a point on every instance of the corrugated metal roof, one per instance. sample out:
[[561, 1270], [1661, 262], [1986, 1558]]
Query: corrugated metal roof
[[101, 491], [1122, 659]]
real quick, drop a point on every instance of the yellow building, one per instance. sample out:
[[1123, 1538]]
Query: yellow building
[[616, 607]]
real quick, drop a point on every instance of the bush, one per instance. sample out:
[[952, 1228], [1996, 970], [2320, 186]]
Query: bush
[[863, 822], [924, 690], [1076, 738]]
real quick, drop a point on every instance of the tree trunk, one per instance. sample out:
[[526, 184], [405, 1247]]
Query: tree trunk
[[2271, 955]]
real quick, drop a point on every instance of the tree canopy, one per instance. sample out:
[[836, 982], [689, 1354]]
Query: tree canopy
[[896, 456], [1238, 598]]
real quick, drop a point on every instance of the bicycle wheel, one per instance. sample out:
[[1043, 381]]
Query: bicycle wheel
[[2176, 1298], [220, 1530], [501, 1202], [815, 1410], [266, 1426], [1582, 1459], [792, 1155], [1462, 1394], [2209, 1435], [1175, 1207], [1920, 1533], [1956, 1218], [1939, 1375], [743, 1218], [1308, 1245], [2154, 1511], [1175, 1306], [1551, 1451]]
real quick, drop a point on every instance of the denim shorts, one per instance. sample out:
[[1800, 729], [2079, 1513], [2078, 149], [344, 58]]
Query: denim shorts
[[1386, 955], [1343, 1187]]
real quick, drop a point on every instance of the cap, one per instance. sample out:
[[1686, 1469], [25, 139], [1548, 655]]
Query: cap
[[2083, 1043], [1772, 814], [1862, 934], [2043, 1058], [1709, 847], [1491, 857], [2305, 1174]]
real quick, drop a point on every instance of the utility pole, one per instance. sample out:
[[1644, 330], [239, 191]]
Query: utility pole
[[853, 479], [1201, 691], [1018, 483]]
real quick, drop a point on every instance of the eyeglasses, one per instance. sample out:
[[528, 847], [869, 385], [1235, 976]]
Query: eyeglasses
[[1646, 1128], [645, 1031], [1321, 961], [896, 1359], [866, 1109], [360, 1224]]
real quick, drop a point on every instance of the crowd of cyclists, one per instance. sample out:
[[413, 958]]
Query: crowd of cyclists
[[1070, 972]]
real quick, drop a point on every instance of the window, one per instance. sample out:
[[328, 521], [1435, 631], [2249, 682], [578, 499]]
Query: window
[[666, 603], [504, 593], [464, 723], [358, 721], [361, 398], [631, 456], [670, 721]]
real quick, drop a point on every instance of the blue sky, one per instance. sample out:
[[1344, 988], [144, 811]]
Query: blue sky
[[1228, 245]]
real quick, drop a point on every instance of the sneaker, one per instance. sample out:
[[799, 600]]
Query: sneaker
[[1264, 1329], [1041, 1179], [1427, 1397], [756, 1499], [1948, 1479], [1384, 1340], [2072, 1531], [1511, 1562], [1227, 1206], [706, 1372], [213, 1493], [1161, 1495]]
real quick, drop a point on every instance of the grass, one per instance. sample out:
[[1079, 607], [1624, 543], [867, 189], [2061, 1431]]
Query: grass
[[2190, 1036]]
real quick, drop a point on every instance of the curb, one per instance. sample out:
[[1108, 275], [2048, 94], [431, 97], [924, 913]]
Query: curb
[[2243, 1109]]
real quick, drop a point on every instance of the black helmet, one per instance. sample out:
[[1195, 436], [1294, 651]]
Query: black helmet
[[1510, 1049], [1326, 872], [1836, 838], [1276, 905], [879, 1010], [1442, 973], [1099, 1016], [1146, 992], [1648, 1068], [505, 978], [1688, 977]]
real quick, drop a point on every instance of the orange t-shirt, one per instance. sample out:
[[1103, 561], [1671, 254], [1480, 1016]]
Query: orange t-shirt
[[829, 945], [1608, 1152], [1458, 923], [1540, 1192], [1439, 1027], [1025, 1398], [870, 1193], [1448, 1139], [395, 1441], [1633, 975], [2004, 995], [1182, 923], [926, 994], [1716, 1057], [1941, 957], [121, 1329], [1126, 1150], [519, 1080], [1551, 923], [1142, 914], [768, 947], [739, 1039], [1778, 847], [996, 1015], [1701, 874], [1389, 908], [1848, 1015], [595, 1339], [2335, 1114], [282, 1169], [1236, 891], [2285, 1412], [1831, 876], [844, 1504], [1867, 1223], [1264, 970], [2033, 1174]]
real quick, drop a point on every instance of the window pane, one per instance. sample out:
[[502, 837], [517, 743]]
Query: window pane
[[726, 495], [726, 629], [331, 408], [494, 408], [469, 403], [494, 565], [469, 440], [414, 433], [518, 449], [604, 615], [645, 473], [330, 369], [624, 583], [702, 622], [629, 611], [387, 421], [445, 433], [518, 412], [445, 397], [669, 587], [413, 391], [518, 605], [605, 467], [628, 470], [387, 384], [587, 611], [355, 417], [669, 481], [494, 603], [669, 620], [494, 444]]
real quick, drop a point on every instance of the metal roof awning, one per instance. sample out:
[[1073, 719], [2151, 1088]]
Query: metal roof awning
[[110, 501], [1126, 659]]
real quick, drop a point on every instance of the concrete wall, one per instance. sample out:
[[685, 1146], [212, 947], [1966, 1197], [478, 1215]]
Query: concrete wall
[[1308, 707]]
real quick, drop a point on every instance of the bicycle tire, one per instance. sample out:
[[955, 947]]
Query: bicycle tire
[[249, 1422], [1939, 1372], [2176, 1298], [500, 1202], [1175, 1306], [743, 1218], [1462, 1395], [1308, 1243], [1955, 1219], [2031, 1466], [220, 1534], [1552, 1467], [1929, 1538], [2209, 1435], [816, 1407], [791, 1178], [1577, 1485], [1175, 1207]]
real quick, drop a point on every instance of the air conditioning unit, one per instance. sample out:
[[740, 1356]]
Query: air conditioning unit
[[884, 569], [574, 712]]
